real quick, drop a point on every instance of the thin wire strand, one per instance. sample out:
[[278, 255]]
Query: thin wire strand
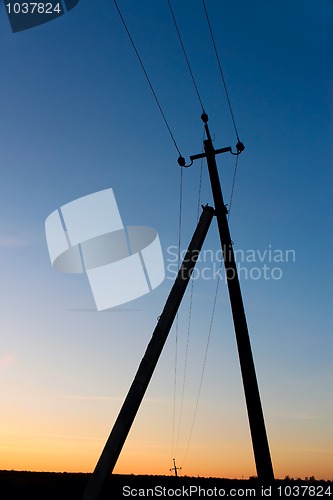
[[200, 179], [147, 77], [186, 58], [190, 315], [174, 392], [233, 186], [220, 68], [203, 369], [185, 364], [177, 319]]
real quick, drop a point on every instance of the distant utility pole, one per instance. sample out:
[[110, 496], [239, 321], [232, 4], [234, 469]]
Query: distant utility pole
[[175, 468]]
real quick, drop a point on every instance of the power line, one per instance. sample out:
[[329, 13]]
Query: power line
[[177, 316], [147, 77], [174, 390], [233, 186], [203, 368], [188, 327], [185, 364], [185, 55], [220, 68], [200, 179]]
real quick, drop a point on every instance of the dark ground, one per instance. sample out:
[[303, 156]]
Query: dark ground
[[69, 486]]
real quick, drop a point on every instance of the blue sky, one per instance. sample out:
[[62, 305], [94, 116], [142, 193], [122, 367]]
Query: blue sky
[[77, 116]]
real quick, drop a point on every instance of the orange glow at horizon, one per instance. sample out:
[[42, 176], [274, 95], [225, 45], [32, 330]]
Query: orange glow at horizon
[[80, 453], [67, 434]]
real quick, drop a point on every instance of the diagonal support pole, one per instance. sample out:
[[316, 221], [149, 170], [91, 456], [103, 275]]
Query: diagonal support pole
[[121, 428]]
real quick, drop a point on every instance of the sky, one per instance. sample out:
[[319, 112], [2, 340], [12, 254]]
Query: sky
[[76, 117]]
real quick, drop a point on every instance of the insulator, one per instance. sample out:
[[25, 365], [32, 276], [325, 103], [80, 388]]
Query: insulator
[[204, 117], [181, 161], [240, 147]]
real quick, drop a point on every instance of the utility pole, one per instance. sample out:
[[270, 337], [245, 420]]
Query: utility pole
[[174, 468], [146, 368], [121, 428], [251, 390]]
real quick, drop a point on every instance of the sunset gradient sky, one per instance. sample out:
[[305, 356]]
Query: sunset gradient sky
[[76, 117]]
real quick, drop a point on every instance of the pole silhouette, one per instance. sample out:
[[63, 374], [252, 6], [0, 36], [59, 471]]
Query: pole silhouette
[[255, 414]]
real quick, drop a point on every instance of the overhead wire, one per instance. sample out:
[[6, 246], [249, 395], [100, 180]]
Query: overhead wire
[[230, 205], [180, 193], [200, 179], [147, 78], [185, 363], [203, 370], [198, 208], [188, 328], [220, 68], [177, 320], [192, 284], [232, 187], [180, 206], [228, 100], [186, 57]]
